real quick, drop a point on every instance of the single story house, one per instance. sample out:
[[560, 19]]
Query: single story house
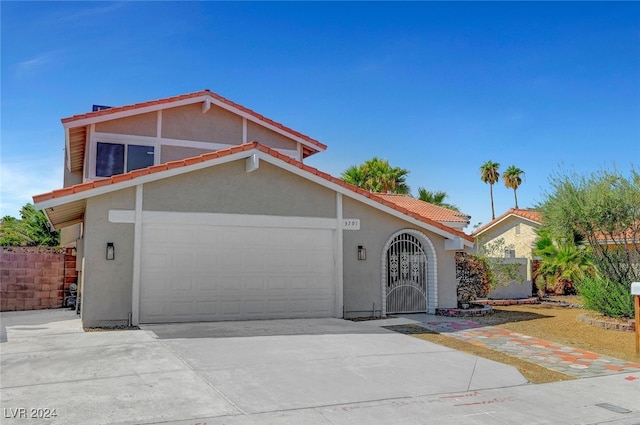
[[517, 230], [195, 208]]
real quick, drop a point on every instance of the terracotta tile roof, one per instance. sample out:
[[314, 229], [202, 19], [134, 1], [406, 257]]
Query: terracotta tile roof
[[205, 92], [435, 212], [532, 215], [630, 236], [82, 187]]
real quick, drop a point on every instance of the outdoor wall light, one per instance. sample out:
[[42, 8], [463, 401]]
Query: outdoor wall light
[[362, 253], [111, 251]]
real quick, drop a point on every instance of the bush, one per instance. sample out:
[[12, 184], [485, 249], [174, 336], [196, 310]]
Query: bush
[[474, 276], [607, 297]]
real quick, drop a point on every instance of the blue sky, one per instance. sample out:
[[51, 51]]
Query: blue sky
[[437, 88]]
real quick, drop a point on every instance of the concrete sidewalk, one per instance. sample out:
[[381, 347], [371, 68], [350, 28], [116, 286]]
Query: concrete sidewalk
[[317, 371]]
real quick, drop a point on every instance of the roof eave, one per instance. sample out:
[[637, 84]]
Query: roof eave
[[70, 122], [264, 154]]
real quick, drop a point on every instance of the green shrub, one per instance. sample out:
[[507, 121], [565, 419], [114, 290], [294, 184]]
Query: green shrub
[[607, 297]]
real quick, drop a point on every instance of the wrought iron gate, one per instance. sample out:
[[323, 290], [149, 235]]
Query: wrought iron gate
[[406, 275]]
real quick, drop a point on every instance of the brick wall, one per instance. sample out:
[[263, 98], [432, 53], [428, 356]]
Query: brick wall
[[33, 278]]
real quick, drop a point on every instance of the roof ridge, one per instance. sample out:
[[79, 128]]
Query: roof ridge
[[205, 92], [527, 214]]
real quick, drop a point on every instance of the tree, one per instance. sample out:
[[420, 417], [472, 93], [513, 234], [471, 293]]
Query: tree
[[512, 180], [562, 263], [602, 211], [436, 198], [31, 230], [376, 175], [490, 175]]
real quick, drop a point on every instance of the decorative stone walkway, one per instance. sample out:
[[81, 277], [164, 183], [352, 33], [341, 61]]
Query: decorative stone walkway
[[569, 360]]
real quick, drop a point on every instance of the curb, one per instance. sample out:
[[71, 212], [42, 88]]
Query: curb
[[626, 327]]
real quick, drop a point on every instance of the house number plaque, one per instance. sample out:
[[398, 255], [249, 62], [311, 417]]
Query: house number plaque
[[351, 224]]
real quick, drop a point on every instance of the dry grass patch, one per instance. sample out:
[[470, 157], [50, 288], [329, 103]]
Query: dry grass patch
[[560, 324], [548, 321], [533, 372]]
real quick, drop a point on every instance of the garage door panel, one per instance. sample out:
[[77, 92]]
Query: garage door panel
[[208, 273]]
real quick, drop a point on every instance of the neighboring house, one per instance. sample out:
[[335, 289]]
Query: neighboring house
[[517, 228], [194, 208], [629, 239]]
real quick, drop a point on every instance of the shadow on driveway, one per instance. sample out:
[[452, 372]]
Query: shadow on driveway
[[262, 328], [31, 320]]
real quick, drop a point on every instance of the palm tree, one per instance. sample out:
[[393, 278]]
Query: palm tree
[[354, 176], [562, 262], [489, 174], [376, 175], [513, 180], [436, 198]]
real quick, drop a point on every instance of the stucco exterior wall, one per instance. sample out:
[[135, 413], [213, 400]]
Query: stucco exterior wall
[[189, 123], [106, 296], [138, 125], [268, 137], [228, 188], [362, 279], [174, 153], [71, 177], [522, 242]]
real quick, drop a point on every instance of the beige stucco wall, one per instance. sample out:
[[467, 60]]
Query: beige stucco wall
[[138, 125], [268, 137], [174, 153], [228, 188], [362, 279], [189, 123], [71, 178], [106, 297], [522, 242]]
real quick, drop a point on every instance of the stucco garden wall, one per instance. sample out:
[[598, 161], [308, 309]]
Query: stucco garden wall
[[516, 289]]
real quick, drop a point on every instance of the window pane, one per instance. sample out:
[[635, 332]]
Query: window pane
[[109, 159], [139, 157]]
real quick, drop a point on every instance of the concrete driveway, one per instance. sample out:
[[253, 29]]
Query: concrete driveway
[[317, 371]]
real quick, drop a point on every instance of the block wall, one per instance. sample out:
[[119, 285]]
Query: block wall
[[33, 278]]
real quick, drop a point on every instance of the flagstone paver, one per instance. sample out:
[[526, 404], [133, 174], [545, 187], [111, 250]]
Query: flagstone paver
[[569, 360]]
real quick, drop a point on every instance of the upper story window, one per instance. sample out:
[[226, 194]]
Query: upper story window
[[118, 158]]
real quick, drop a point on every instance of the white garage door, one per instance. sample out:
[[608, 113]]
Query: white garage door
[[196, 272]]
